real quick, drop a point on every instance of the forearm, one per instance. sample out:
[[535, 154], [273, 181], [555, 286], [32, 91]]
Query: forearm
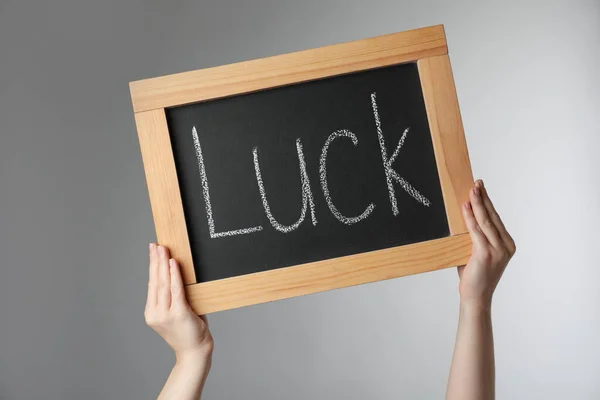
[[472, 375], [187, 378]]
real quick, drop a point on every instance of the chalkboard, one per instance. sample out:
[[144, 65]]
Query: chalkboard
[[307, 172]]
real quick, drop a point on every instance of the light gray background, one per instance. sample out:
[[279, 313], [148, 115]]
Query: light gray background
[[75, 218]]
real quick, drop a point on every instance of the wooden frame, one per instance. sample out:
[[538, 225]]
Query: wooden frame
[[427, 47]]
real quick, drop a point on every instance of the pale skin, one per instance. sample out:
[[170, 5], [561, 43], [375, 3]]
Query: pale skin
[[169, 314], [472, 373]]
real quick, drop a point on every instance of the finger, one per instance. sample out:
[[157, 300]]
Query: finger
[[477, 236], [495, 217], [177, 292], [164, 278], [482, 217], [153, 277]]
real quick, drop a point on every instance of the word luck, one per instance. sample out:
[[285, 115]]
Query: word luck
[[307, 196]]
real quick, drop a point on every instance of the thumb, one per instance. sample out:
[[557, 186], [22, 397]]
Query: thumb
[[177, 291]]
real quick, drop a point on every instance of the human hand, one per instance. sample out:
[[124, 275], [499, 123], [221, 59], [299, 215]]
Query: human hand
[[493, 247], [170, 315]]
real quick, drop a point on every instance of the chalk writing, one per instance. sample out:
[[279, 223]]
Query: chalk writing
[[390, 174], [307, 196], [206, 194], [323, 176]]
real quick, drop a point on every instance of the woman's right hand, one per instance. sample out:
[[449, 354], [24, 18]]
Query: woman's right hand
[[170, 315], [168, 312]]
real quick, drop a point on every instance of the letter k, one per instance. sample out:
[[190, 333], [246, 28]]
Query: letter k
[[390, 174]]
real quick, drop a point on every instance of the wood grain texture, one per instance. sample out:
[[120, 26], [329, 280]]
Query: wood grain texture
[[448, 136], [330, 274], [163, 187], [249, 76]]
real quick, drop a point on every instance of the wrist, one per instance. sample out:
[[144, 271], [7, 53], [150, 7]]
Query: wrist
[[196, 358], [476, 306]]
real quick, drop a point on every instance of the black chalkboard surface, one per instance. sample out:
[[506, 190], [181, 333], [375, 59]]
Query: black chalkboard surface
[[307, 172]]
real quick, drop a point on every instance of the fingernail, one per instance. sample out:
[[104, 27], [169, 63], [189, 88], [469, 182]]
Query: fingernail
[[161, 249], [151, 247], [476, 191], [482, 184], [467, 205], [172, 263]]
